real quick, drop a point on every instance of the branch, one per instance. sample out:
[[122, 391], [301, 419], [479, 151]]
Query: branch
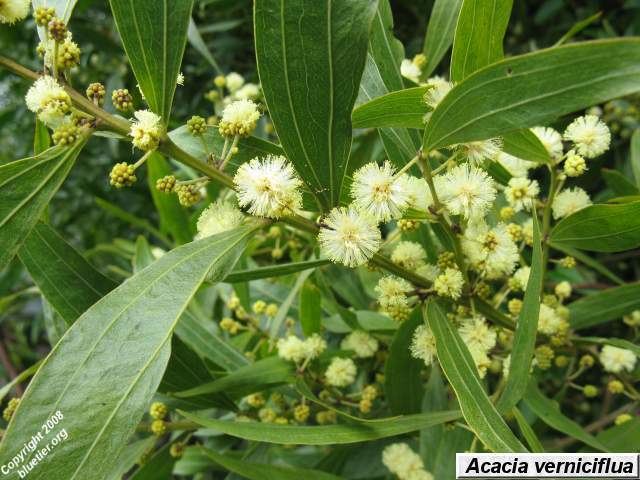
[[168, 147]]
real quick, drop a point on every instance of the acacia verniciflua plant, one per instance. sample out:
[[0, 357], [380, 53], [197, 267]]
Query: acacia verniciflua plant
[[355, 259]]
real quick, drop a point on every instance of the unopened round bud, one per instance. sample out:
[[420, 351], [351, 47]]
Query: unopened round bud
[[65, 134], [407, 225], [615, 387], [188, 195], [544, 354], [196, 125], [507, 213], [43, 15], [166, 184], [57, 29], [514, 306], [590, 391], [158, 410], [122, 100], [586, 361], [122, 175], [301, 413], [158, 427], [176, 450], [219, 81], [96, 93]]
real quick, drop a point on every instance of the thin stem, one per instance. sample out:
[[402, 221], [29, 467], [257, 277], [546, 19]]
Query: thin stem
[[230, 153], [546, 217]]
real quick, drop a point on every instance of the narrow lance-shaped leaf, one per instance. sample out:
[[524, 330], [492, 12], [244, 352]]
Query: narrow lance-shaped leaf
[[26, 188], [310, 58], [399, 143], [154, 35], [402, 380], [404, 108], [274, 270], [533, 89], [440, 32], [635, 156], [525, 145], [259, 471], [458, 366], [382, 75], [104, 371], [310, 308], [250, 378], [324, 434], [196, 41], [600, 228], [524, 340], [604, 306], [479, 36], [550, 414], [63, 276]]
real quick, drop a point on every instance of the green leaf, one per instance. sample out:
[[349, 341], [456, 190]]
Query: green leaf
[[254, 377], [498, 173], [402, 380], [173, 218], [635, 156], [159, 466], [524, 339], [600, 228], [547, 410], [310, 306], [129, 457], [616, 342], [196, 41], [589, 262], [274, 270], [440, 32], [21, 377], [458, 366], [310, 59], [63, 276], [154, 35], [193, 331], [533, 89], [185, 369], [404, 109], [400, 144], [527, 432], [618, 183], [324, 434], [260, 471], [525, 145], [577, 28], [26, 188], [604, 306], [478, 37], [385, 49], [382, 75], [622, 438], [102, 396], [41, 138]]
